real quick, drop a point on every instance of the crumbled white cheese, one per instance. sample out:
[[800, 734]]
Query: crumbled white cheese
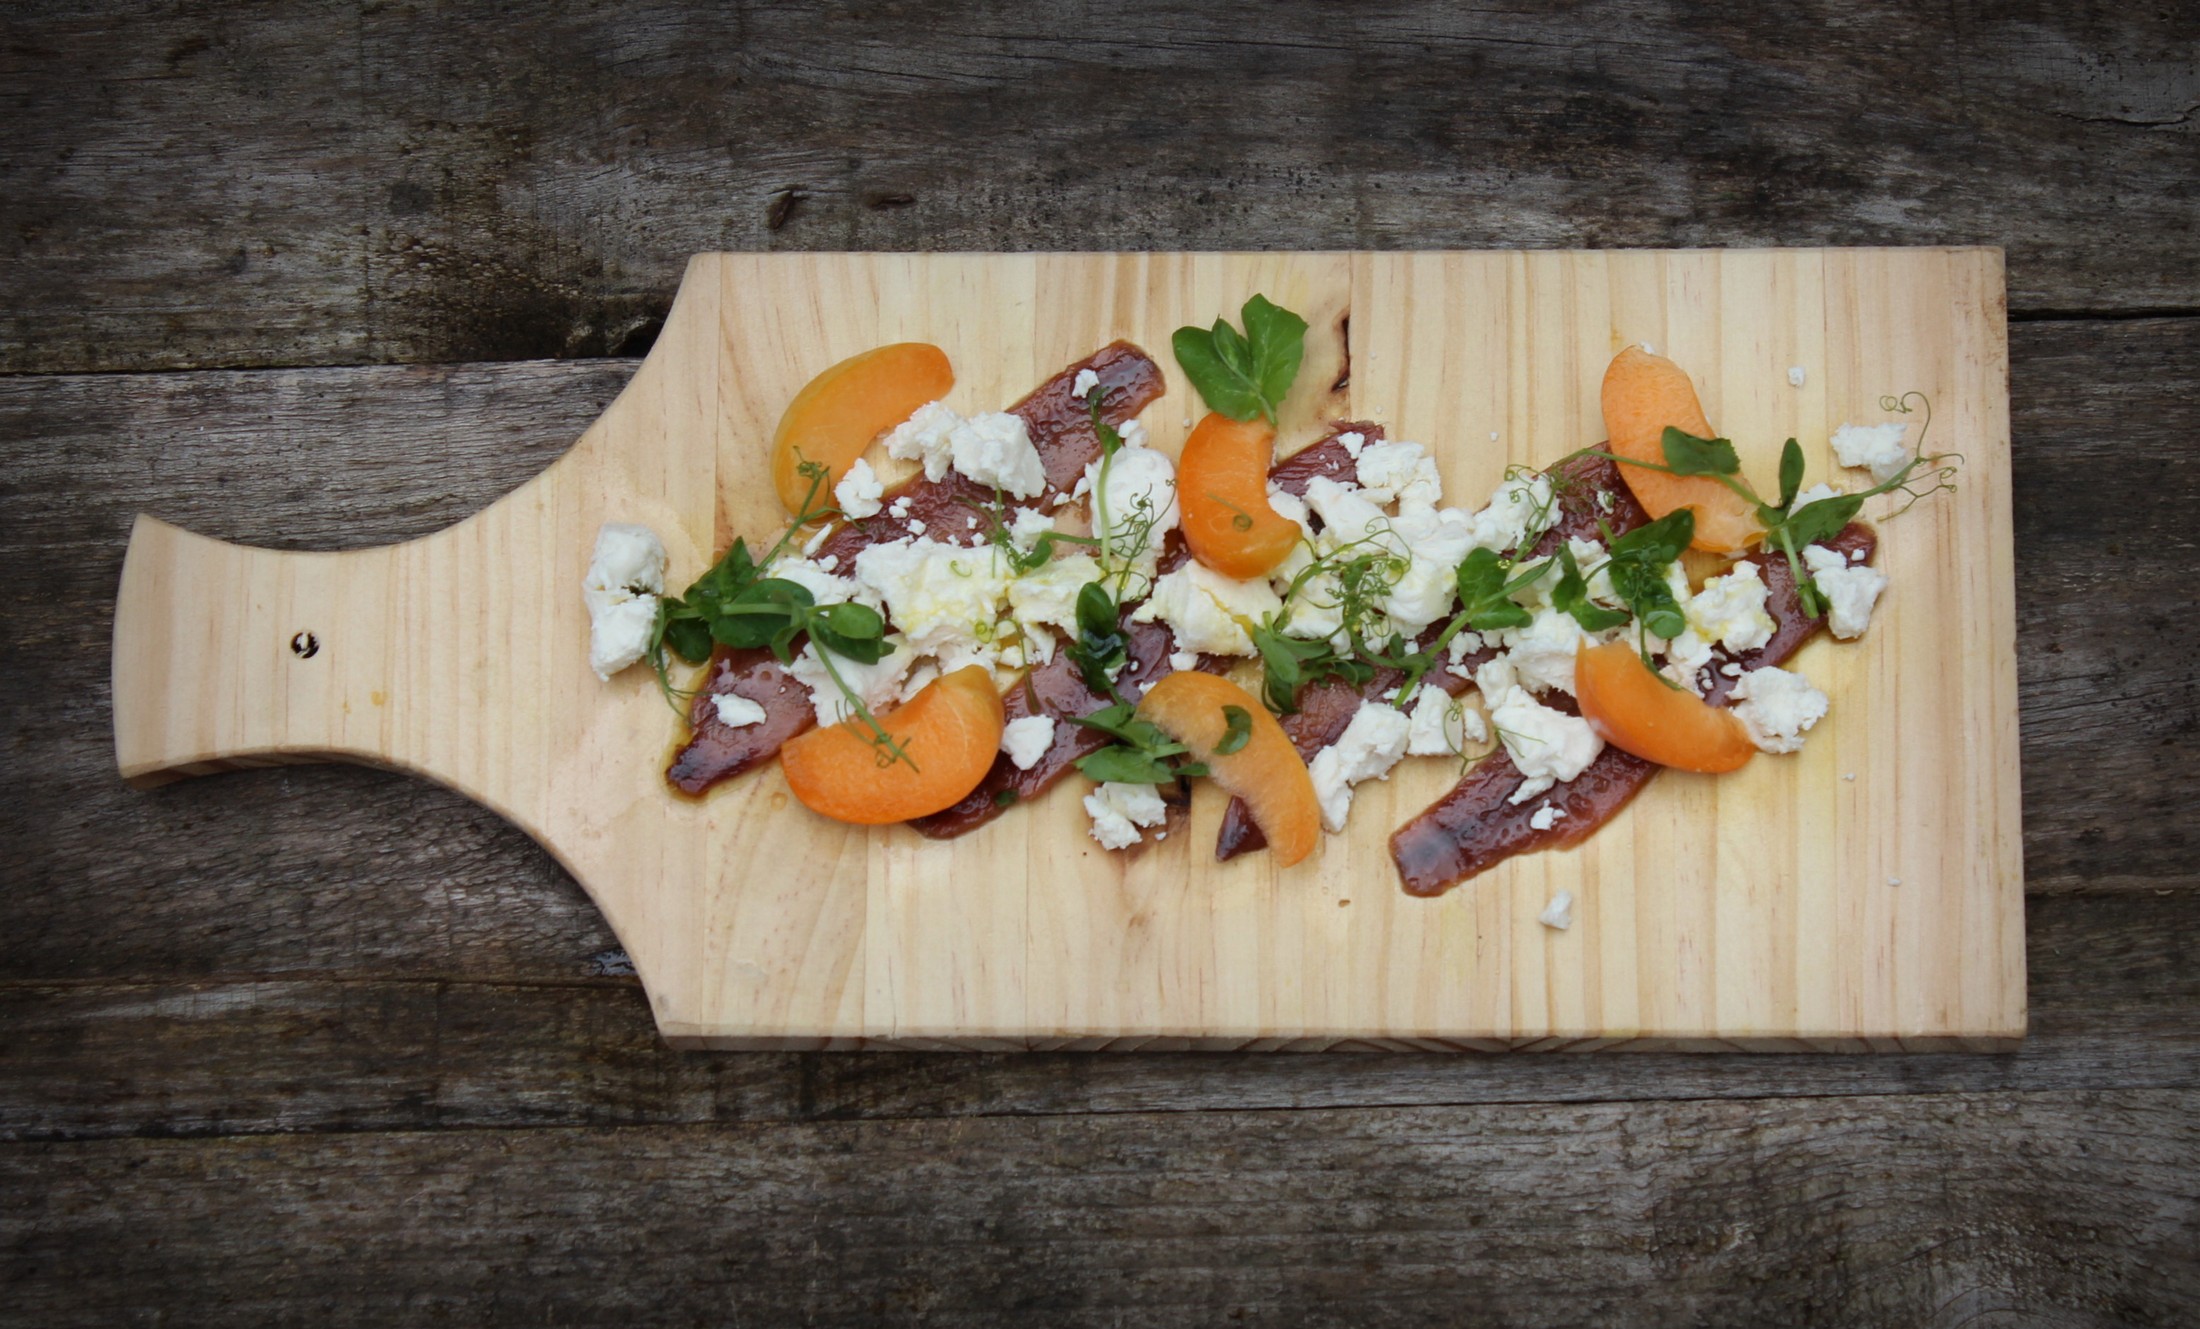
[[1118, 810], [924, 437], [1398, 472], [824, 587], [992, 449], [995, 450], [736, 711], [916, 526], [1876, 446], [1027, 739], [1027, 526], [946, 599], [1850, 589], [1183, 661], [1520, 510], [625, 576], [1547, 746], [1287, 505], [1442, 725], [877, 684], [1795, 376], [1352, 442], [1685, 657], [1559, 913], [1730, 610], [1139, 496], [1814, 494], [1085, 382], [1434, 542], [1367, 749], [1208, 611], [1047, 597], [1542, 653], [900, 508], [1545, 817], [1777, 708], [817, 538], [859, 492]]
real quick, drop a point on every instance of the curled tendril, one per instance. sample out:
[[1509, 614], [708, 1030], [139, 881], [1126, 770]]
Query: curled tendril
[[1940, 468]]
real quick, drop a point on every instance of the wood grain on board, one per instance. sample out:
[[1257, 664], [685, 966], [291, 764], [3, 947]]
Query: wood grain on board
[[1751, 911]]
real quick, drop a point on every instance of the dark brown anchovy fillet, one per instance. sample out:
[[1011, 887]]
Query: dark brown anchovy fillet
[[1327, 708], [1474, 827], [1060, 424]]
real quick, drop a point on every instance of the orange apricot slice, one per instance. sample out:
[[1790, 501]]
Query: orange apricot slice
[[951, 730], [1222, 490], [837, 414], [1644, 393], [1267, 772], [1634, 710]]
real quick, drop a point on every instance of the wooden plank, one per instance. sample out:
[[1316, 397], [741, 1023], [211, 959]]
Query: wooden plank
[[334, 870], [232, 185], [2115, 1005], [1758, 909], [2065, 1208]]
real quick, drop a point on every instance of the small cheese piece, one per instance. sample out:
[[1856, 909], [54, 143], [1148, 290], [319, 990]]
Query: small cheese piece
[[1542, 653], [1547, 746], [1730, 610], [1027, 739], [1777, 708], [824, 586], [1135, 510], [1118, 810], [924, 437], [1442, 725], [1084, 383], [1850, 590], [995, 450], [1398, 472], [1559, 913], [625, 577], [1435, 542], [736, 711], [1366, 750], [1047, 598], [1208, 611], [859, 492], [1816, 493], [1027, 526], [1795, 376], [879, 684], [945, 598], [1522, 508], [1545, 817], [1878, 447]]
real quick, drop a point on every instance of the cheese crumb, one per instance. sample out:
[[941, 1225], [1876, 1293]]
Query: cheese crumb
[[1777, 708], [1027, 739], [1795, 376], [1208, 611], [1559, 913], [1850, 590], [1545, 817], [1085, 382], [1366, 750], [1730, 610], [1118, 810], [1876, 446], [1442, 725], [859, 491], [625, 576], [736, 711]]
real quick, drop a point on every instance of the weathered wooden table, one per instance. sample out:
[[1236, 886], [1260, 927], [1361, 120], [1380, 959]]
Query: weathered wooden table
[[324, 1044]]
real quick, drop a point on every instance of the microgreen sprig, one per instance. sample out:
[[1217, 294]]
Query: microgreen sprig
[[1141, 752]]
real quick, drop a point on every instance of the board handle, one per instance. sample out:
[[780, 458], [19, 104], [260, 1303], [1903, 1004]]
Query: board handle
[[226, 656]]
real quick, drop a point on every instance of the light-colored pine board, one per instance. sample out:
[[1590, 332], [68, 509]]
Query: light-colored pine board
[[1748, 911]]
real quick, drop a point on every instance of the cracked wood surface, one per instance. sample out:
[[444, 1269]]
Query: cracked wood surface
[[330, 183], [324, 1043]]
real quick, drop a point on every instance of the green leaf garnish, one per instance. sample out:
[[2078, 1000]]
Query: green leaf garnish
[[1244, 375], [1686, 454], [1572, 595], [1140, 754], [1237, 730]]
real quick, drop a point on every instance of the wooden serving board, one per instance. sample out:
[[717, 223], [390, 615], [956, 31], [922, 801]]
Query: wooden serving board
[[1754, 910]]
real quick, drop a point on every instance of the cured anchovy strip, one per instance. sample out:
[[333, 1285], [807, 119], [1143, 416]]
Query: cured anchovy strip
[[1060, 425], [1578, 484], [1475, 827]]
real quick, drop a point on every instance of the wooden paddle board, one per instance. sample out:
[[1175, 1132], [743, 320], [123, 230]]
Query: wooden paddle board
[[1756, 910]]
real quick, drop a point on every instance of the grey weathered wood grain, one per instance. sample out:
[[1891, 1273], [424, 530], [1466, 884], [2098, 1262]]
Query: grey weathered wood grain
[[2064, 1208], [337, 183], [345, 870], [2115, 993]]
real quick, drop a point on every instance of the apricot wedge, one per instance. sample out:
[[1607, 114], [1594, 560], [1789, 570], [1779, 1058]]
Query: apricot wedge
[[1267, 772], [837, 414], [951, 730], [1222, 487], [1635, 711], [1644, 393]]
